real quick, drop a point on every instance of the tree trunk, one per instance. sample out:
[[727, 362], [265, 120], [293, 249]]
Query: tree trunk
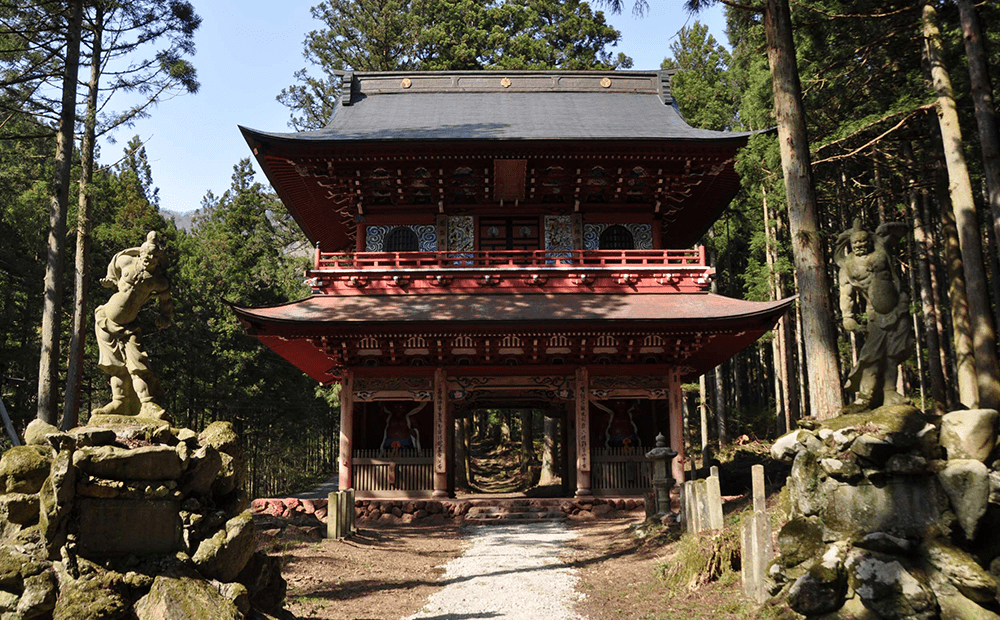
[[74, 372], [986, 116], [527, 441], [961, 324], [461, 455], [548, 475], [48, 364], [960, 188], [921, 243], [826, 396]]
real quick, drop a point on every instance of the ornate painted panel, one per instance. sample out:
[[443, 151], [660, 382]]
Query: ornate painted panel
[[558, 232], [426, 235], [461, 233], [642, 234]]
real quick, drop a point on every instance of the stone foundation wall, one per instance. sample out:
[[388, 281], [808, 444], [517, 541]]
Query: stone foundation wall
[[129, 517], [388, 511], [894, 514]]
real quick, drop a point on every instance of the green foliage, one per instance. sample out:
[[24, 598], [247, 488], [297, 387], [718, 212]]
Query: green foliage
[[397, 35], [702, 84]]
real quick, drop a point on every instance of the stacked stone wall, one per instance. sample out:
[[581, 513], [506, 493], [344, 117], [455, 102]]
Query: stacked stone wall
[[129, 517], [894, 514]]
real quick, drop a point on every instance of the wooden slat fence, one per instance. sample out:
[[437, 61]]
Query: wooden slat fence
[[619, 471], [406, 470]]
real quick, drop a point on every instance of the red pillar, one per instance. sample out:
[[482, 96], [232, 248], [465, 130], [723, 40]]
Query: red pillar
[[675, 414], [582, 432], [346, 480]]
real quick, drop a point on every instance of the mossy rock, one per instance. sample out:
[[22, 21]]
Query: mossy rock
[[890, 420], [23, 469], [97, 596], [800, 539], [182, 597], [15, 567], [221, 436]]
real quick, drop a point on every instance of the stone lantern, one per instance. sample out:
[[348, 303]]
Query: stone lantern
[[661, 456]]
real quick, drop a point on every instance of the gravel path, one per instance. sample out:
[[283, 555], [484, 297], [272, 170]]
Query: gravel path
[[511, 572]]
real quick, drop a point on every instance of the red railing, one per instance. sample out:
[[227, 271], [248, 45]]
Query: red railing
[[511, 259]]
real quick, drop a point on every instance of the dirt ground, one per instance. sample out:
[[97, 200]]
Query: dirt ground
[[387, 573]]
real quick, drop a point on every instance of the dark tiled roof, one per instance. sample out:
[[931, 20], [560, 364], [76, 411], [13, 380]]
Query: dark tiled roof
[[535, 105], [377, 311]]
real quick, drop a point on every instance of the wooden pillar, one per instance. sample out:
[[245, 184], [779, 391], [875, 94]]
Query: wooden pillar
[[346, 463], [675, 415], [443, 460], [567, 455], [582, 432], [362, 237]]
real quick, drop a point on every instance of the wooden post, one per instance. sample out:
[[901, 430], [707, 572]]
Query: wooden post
[[346, 478], [442, 435], [568, 453], [676, 417], [582, 432]]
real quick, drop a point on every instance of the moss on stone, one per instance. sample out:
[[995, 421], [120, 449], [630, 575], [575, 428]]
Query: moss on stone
[[23, 469], [889, 420], [95, 597]]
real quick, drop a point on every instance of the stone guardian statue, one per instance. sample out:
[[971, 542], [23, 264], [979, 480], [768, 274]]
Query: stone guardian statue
[[867, 273], [137, 274]]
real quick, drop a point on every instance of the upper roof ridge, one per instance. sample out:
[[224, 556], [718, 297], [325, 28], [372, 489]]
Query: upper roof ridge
[[359, 85]]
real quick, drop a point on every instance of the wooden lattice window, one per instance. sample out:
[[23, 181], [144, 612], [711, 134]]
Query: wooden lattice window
[[401, 239], [616, 237]]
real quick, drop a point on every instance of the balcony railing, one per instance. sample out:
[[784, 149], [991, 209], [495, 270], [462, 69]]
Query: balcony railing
[[511, 259]]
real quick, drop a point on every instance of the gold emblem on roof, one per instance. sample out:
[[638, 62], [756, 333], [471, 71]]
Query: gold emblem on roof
[[505, 82], [605, 82], [406, 83]]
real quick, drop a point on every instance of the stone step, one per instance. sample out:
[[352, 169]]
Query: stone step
[[528, 516]]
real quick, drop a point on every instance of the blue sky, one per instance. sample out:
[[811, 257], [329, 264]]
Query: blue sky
[[248, 51]]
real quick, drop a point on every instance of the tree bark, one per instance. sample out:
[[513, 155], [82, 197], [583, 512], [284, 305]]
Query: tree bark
[[826, 396], [48, 364], [982, 97], [548, 474], [461, 454], [921, 243], [527, 441], [963, 204], [74, 372], [961, 323]]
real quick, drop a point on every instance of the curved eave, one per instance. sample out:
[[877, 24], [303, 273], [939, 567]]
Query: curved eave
[[288, 328]]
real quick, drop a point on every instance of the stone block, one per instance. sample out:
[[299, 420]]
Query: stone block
[[203, 467], [23, 469], [98, 597], [904, 506], [968, 487], [872, 448], [888, 589], [36, 432], [93, 436], [183, 597], [961, 569], [133, 426], [145, 463], [19, 508], [116, 527], [969, 434], [225, 554], [221, 436]]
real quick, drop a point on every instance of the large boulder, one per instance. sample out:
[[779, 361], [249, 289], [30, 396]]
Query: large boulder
[[800, 539], [889, 589], [224, 555], [203, 468], [262, 578], [95, 596], [37, 432], [23, 469], [822, 589], [184, 597], [969, 434], [968, 487], [145, 463], [961, 570]]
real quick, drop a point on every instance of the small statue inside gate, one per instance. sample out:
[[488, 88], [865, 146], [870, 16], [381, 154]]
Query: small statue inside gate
[[868, 273], [138, 275], [621, 431], [400, 433]]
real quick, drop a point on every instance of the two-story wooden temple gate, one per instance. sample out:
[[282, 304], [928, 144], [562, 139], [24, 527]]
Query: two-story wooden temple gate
[[520, 239]]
